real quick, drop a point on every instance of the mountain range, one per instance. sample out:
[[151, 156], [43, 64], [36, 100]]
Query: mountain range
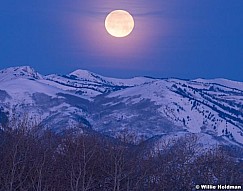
[[143, 106]]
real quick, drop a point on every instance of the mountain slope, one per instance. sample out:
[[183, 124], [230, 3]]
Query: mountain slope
[[89, 84], [191, 105], [142, 106], [24, 92]]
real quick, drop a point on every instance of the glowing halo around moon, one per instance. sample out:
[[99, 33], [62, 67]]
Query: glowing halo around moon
[[119, 23]]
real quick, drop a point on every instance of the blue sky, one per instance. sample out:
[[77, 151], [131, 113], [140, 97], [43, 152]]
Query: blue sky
[[177, 38]]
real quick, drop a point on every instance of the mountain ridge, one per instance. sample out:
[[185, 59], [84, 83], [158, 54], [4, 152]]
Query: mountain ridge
[[144, 106]]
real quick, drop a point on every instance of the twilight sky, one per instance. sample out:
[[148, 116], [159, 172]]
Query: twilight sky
[[172, 38]]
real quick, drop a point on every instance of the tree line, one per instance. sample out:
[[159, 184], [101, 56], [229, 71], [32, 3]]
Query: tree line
[[33, 159]]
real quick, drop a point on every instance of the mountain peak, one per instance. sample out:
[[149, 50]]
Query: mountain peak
[[21, 71], [87, 76], [81, 73]]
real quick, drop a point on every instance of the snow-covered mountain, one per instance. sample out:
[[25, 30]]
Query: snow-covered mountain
[[90, 84], [143, 106]]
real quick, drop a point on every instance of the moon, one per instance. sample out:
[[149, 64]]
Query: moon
[[119, 23]]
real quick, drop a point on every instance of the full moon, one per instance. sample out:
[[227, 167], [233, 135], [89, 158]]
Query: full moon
[[119, 23]]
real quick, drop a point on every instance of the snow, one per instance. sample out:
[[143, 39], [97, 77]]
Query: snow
[[179, 109], [23, 86], [89, 76], [15, 72], [187, 104], [223, 82]]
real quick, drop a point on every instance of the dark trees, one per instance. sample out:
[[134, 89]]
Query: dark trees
[[33, 160]]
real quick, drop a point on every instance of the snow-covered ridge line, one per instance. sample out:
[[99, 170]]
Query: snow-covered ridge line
[[147, 106], [90, 76], [21, 71]]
